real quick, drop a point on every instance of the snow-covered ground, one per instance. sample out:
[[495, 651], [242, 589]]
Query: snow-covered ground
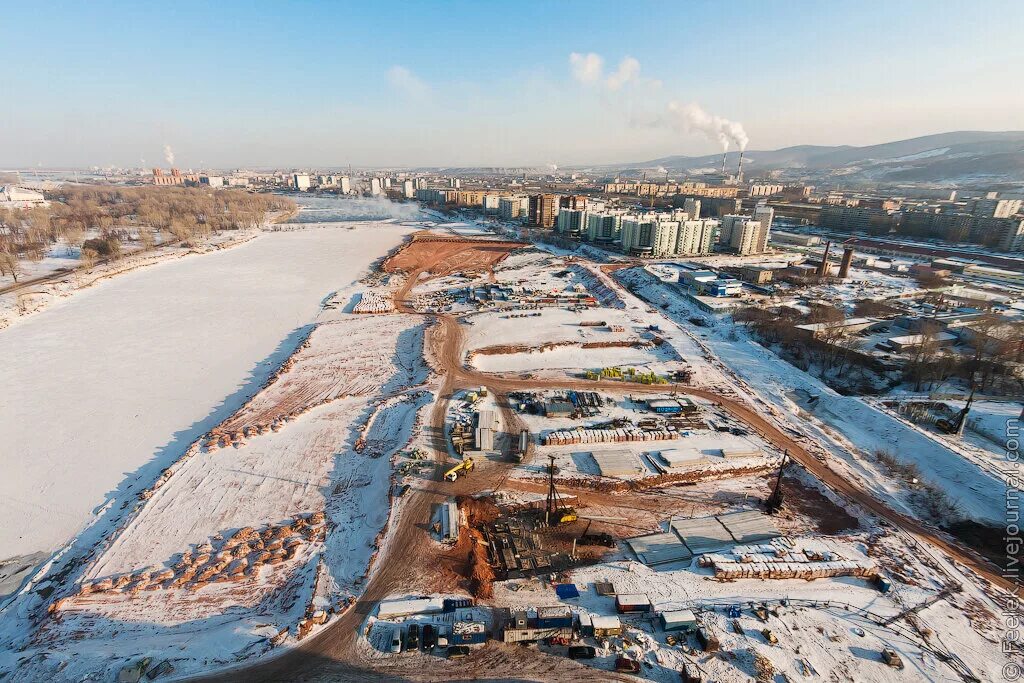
[[827, 628], [318, 439], [113, 384], [858, 427]]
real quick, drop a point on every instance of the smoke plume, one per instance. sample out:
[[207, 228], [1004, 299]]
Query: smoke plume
[[692, 118], [168, 155]]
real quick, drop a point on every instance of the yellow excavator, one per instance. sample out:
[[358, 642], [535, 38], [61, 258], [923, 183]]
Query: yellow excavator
[[461, 469]]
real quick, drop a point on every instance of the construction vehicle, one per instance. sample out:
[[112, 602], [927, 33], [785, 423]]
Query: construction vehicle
[[604, 539], [955, 426], [555, 512], [461, 469], [521, 445]]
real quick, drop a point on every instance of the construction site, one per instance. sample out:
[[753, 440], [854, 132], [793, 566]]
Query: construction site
[[546, 477]]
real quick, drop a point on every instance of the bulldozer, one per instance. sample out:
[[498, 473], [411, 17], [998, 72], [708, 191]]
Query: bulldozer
[[461, 469]]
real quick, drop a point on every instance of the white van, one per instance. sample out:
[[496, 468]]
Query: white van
[[396, 640]]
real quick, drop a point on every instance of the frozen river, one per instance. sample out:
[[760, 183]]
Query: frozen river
[[101, 392]]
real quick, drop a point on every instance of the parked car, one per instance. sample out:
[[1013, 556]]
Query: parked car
[[429, 637], [412, 639], [458, 651], [581, 652], [396, 639]]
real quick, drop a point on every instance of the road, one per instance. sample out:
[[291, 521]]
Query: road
[[332, 653]]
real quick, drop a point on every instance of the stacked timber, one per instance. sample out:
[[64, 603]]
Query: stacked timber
[[570, 437], [793, 570]]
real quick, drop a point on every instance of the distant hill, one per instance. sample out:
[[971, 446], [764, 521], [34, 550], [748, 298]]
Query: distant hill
[[945, 158]]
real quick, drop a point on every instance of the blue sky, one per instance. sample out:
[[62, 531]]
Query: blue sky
[[466, 83]]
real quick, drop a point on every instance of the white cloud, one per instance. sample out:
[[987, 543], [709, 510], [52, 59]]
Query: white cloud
[[406, 82], [586, 68], [629, 70]]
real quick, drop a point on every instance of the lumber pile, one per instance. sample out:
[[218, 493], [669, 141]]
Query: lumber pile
[[372, 302], [231, 559]]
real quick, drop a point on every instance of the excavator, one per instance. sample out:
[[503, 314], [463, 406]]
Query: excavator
[[955, 426], [461, 469]]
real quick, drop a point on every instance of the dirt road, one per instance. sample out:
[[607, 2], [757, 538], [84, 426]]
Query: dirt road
[[409, 556]]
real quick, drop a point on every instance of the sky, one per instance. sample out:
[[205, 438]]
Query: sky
[[307, 84]]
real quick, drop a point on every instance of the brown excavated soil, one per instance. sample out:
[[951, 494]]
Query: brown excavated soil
[[446, 255]]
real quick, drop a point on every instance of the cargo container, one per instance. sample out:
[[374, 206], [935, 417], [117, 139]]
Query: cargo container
[[468, 633], [678, 619], [557, 616], [452, 604], [632, 602]]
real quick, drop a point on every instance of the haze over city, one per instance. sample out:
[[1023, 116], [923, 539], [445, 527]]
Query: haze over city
[[561, 341], [464, 83]]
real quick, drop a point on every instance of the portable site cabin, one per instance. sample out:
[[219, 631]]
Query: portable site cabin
[[632, 602], [602, 627], [678, 619]]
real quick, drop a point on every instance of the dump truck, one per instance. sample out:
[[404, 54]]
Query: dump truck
[[461, 469]]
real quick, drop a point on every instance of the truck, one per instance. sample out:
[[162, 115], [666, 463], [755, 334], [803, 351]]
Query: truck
[[461, 469], [521, 445]]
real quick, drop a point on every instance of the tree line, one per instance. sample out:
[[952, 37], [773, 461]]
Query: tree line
[[991, 355], [100, 219]]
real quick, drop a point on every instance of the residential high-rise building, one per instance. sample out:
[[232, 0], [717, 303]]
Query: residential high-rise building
[[692, 208], [345, 184], [513, 208], [490, 203], [696, 237], [572, 222], [408, 190], [997, 208], [375, 188], [604, 227], [300, 181], [764, 215], [543, 210], [649, 236]]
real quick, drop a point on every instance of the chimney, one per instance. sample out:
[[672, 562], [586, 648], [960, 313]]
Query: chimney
[[844, 266], [739, 169], [725, 156]]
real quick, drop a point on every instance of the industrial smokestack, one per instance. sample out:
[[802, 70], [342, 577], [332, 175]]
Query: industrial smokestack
[[844, 265], [725, 155], [739, 169]]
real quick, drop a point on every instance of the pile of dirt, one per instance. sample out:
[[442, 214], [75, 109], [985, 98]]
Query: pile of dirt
[[481, 574], [479, 511]]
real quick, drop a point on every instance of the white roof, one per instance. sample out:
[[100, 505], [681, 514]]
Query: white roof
[[401, 608], [632, 599], [678, 615], [605, 622]]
